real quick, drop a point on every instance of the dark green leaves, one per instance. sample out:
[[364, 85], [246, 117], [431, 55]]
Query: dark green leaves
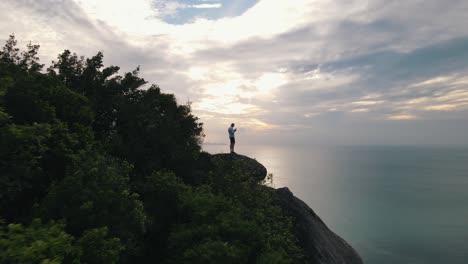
[[37, 243], [95, 193], [120, 168]]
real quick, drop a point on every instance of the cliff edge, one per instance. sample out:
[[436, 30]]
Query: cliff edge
[[247, 165], [320, 244]]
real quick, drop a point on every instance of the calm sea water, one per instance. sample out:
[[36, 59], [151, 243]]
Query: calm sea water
[[393, 204]]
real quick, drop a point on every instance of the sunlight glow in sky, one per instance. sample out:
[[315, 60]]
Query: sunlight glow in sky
[[346, 71]]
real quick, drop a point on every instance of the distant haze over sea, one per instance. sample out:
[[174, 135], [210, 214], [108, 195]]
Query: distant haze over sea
[[393, 204]]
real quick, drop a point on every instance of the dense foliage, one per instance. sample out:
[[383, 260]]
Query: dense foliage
[[96, 167]]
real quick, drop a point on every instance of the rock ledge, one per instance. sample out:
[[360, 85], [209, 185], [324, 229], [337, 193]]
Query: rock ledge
[[320, 244]]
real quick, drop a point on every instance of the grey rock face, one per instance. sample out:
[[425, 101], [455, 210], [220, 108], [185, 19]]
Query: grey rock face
[[320, 244]]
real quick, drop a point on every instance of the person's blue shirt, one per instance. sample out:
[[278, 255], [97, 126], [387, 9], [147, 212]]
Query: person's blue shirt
[[231, 131]]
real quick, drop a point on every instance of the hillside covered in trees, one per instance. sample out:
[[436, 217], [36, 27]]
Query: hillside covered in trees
[[96, 167]]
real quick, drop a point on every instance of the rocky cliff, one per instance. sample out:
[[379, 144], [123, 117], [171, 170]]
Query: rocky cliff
[[320, 244]]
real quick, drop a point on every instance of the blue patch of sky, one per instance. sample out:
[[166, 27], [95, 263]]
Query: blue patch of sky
[[448, 57], [227, 8]]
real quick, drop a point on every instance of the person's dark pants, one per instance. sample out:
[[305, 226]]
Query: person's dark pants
[[233, 142]]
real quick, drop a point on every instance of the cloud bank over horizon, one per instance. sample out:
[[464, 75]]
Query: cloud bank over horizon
[[314, 71]]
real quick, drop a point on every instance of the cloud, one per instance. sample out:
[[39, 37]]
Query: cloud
[[207, 6], [401, 117], [168, 8], [367, 103], [308, 65], [360, 110], [443, 107]]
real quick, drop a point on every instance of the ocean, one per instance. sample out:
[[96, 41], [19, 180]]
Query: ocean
[[393, 204]]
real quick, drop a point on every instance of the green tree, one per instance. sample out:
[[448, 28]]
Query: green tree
[[95, 193], [30, 60], [26, 60], [201, 225], [121, 168], [37, 243], [43, 125], [5, 82], [68, 69], [102, 86], [153, 132], [49, 243], [29, 98], [145, 127], [98, 247], [10, 53], [41, 99], [22, 179], [31, 158]]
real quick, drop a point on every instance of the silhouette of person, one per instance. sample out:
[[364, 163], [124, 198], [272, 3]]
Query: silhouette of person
[[232, 138]]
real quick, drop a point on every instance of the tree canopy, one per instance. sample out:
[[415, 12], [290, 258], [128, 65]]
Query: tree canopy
[[97, 167]]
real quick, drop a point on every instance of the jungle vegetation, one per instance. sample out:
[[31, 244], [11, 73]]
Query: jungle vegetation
[[98, 167]]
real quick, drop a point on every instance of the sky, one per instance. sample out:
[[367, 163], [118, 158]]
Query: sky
[[286, 72]]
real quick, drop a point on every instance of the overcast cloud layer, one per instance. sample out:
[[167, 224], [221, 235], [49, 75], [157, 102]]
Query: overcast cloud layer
[[303, 71]]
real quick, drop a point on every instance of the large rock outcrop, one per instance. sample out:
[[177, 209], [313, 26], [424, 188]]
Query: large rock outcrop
[[320, 244], [247, 165]]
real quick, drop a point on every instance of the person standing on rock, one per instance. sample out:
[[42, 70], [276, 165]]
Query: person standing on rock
[[232, 138]]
